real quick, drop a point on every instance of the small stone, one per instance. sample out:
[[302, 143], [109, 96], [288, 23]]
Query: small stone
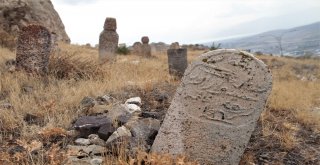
[[6, 106], [27, 89], [118, 110], [87, 102], [87, 125], [15, 149], [73, 133], [33, 119], [83, 141], [131, 108], [144, 129], [121, 132], [96, 161], [95, 139], [106, 130], [134, 100], [4, 95], [10, 65], [105, 100], [87, 150]]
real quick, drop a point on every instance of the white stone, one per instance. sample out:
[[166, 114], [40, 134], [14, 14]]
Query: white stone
[[131, 108], [82, 141], [96, 161], [134, 100]]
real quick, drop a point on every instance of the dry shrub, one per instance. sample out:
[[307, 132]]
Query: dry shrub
[[70, 66]]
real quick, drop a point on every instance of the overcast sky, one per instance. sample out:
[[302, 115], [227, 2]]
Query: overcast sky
[[185, 21]]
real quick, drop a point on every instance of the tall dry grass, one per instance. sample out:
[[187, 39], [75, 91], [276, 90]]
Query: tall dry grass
[[76, 73]]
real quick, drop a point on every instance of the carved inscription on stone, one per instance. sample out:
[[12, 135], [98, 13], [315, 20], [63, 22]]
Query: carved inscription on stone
[[216, 107], [33, 49]]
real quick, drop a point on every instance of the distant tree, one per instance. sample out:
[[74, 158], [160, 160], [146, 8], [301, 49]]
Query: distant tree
[[215, 47]]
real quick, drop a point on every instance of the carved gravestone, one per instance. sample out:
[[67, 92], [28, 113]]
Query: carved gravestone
[[177, 61], [108, 41], [145, 47], [137, 48], [216, 108], [175, 45], [33, 49]]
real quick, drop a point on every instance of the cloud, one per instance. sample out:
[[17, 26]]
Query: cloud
[[75, 2], [185, 21]]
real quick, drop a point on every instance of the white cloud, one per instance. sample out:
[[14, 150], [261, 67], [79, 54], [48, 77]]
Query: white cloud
[[168, 20]]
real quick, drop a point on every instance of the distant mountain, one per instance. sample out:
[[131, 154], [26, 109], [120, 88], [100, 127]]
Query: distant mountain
[[296, 41]]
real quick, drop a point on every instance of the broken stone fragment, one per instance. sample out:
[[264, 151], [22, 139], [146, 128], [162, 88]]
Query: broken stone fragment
[[106, 130], [134, 100], [87, 125], [82, 141], [131, 108], [121, 132]]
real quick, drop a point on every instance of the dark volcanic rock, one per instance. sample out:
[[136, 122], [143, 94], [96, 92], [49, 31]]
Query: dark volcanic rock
[[106, 130], [87, 125]]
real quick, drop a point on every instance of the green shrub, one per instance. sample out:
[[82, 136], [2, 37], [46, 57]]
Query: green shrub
[[123, 50]]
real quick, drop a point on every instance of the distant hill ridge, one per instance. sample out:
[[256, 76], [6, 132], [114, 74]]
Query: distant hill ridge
[[297, 41]]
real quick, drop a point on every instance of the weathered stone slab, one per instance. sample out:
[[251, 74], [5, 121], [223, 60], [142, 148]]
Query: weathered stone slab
[[33, 49], [177, 61], [145, 47], [175, 45], [108, 41], [137, 46], [216, 108]]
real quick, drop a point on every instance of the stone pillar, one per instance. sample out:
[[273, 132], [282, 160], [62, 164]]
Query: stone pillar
[[145, 48], [108, 41], [216, 108], [177, 61], [33, 49]]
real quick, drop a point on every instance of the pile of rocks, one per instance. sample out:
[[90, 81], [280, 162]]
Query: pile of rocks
[[106, 128]]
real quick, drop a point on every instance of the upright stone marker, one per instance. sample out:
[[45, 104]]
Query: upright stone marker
[[33, 49], [216, 108], [137, 48], [177, 61], [108, 41], [175, 45], [145, 48]]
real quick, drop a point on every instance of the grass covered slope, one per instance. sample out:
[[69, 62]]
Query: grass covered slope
[[288, 130]]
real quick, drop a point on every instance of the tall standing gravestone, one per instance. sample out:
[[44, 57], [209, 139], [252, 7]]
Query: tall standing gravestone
[[145, 47], [177, 61], [216, 108], [33, 49], [108, 41]]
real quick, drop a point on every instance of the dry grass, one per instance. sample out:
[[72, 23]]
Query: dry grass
[[75, 73]]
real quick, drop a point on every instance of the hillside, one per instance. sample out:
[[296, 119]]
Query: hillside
[[297, 41]]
